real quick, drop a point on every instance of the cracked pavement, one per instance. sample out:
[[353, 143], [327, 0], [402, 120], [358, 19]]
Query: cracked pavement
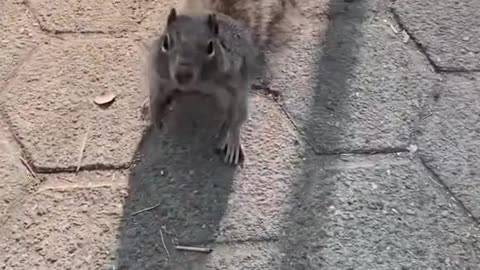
[[367, 156]]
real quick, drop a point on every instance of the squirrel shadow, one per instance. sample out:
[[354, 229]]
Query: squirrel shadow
[[180, 174]]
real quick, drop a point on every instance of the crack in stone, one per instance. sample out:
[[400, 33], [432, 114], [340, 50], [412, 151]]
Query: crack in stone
[[83, 32], [366, 151], [449, 193], [87, 167], [20, 64], [423, 50]]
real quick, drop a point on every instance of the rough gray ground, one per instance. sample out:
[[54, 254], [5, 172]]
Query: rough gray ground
[[449, 137], [363, 91], [448, 31], [15, 178], [376, 212], [56, 88], [367, 159], [19, 35], [87, 16]]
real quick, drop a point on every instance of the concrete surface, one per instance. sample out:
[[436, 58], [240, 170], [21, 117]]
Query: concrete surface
[[15, 179], [156, 17], [376, 212], [363, 91], [60, 227], [72, 16], [449, 137], [448, 31], [18, 37], [56, 89], [367, 158]]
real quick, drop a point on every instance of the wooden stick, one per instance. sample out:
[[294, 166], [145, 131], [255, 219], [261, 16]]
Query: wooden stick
[[82, 148], [146, 209], [163, 243], [194, 249]]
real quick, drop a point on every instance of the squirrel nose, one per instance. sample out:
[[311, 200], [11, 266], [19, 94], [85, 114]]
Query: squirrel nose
[[183, 75]]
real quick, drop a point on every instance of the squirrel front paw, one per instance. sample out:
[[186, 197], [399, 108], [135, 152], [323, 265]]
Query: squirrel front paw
[[231, 148], [145, 110]]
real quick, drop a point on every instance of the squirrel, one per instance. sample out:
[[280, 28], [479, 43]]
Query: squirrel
[[209, 54]]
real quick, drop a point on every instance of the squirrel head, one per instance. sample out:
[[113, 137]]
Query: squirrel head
[[191, 48]]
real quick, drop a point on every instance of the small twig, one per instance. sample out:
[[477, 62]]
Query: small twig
[[163, 243], [194, 249], [146, 209], [82, 149], [393, 28], [29, 169]]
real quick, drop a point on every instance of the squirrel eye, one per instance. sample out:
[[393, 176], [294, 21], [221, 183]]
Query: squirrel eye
[[210, 49], [166, 43]]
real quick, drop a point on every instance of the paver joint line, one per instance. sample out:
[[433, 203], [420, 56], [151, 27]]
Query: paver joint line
[[422, 49], [449, 193], [85, 32]]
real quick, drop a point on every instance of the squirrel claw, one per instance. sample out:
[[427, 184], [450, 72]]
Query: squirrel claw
[[145, 110], [232, 150]]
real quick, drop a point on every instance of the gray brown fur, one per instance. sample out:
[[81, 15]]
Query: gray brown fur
[[183, 61], [270, 20]]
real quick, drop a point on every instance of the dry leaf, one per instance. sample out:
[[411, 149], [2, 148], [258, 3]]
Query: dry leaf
[[104, 99]]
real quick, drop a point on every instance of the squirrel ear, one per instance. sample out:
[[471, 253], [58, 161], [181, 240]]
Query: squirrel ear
[[172, 16], [213, 24]]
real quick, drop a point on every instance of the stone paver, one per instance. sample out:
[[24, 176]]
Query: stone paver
[[56, 88], [377, 212], [449, 138], [17, 38], [449, 31], [64, 228], [362, 91], [348, 83], [89, 16]]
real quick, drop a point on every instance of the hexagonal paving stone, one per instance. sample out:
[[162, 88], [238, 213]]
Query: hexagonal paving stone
[[449, 31], [89, 16], [17, 38], [50, 102], [14, 179], [349, 83], [64, 228], [198, 198], [375, 212], [449, 139]]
